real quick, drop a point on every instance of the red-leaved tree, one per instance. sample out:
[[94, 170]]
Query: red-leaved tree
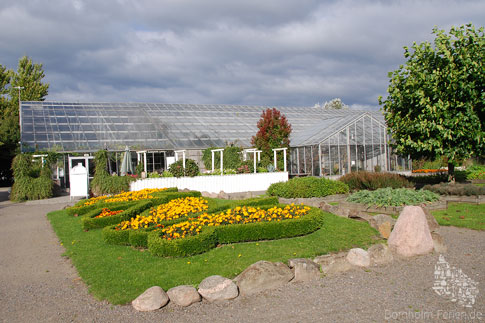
[[274, 132]]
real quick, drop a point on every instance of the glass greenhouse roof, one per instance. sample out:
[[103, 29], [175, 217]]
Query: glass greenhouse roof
[[86, 127]]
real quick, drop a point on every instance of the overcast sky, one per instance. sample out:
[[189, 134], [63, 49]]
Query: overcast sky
[[251, 52]]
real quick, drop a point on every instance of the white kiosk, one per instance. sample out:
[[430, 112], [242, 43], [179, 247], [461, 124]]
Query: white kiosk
[[79, 181]]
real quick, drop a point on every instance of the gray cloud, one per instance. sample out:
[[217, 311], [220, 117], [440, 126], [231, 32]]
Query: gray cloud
[[215, 51]]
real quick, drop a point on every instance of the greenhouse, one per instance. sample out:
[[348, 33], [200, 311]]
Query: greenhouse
[[323, 142]]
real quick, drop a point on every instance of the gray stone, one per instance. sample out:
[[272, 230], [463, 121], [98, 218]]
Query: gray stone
[[411, 235], [334, 263], [304, 269], [439, 243], [217, 288], [358, 257], [223, 195], [379, 219], [263, 275], [380, 254], [152, 299], [208, 194], [360, 216], [183, 295]]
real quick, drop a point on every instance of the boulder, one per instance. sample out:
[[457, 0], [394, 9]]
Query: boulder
[[432, 223], [411, 235], [380, 254], [334, 263], [184, 295], [217, 288], [382, 223], [263, 275], [358, 257], [223, 195], [208, 194], [151, 299], [439, 243], [304, 269]]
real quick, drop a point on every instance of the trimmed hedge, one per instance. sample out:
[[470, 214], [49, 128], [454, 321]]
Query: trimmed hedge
[[212, 236], [304, 187], [363, 180], [89, 221], [456, 189]]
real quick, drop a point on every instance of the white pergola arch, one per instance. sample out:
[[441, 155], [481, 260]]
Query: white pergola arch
[[213, 151]]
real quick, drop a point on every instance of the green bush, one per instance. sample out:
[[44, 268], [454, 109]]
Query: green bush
[[475, 172], [212, 236], [231, 158], [393, 197], [363, 180], [102, 185], [303, 187], [455, 189], [428, 179], [31, 181], [116, 237], [191, 168], [246, 167], [167, 173]]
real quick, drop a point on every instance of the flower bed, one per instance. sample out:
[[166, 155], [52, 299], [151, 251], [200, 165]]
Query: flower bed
[[139, 238], [91, 221], [429, 171], [85, 206], [207, 237]]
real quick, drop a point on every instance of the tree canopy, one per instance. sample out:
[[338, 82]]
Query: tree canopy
[[29, 76], [274, 132], [435, 102]]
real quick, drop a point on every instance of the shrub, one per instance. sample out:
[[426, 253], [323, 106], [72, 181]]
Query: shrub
[[167, 173], [371, 181], [231, 158], [455, 189], [106, 184], [428, 179], [393, 197], [246, 167], [31, 181], [191, 168], [307, 187], [475, 172]]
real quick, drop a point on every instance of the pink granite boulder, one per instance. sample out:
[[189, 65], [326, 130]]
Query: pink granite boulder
[[411, 235]]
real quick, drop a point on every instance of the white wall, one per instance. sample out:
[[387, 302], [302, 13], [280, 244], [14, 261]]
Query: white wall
[[215, 184]]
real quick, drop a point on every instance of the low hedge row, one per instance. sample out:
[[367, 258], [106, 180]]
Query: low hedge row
[[456, 189], [363, 180], [139, 238], [212, 236], [89, 220], [305, 187]]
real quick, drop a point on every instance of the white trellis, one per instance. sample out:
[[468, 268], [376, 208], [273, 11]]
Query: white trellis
[[256, 155], [284, 156], [183, 156], [213, 151]]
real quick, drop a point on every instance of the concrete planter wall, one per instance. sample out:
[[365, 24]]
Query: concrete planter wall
[[215, 184]]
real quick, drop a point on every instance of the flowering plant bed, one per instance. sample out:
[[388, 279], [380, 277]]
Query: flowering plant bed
[[90, 220], [85, 206], [135, 230], [239, 225], [429, 171]]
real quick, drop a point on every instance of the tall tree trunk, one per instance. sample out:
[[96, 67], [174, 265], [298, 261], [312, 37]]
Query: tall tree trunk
[[451, 173]]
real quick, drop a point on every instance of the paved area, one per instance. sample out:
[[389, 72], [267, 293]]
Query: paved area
[[38, 284]]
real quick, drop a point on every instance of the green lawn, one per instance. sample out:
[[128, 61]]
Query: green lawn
[[464, 215], [119, 273]]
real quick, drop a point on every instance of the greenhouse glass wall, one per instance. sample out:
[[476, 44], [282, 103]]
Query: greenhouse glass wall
[[323, 142], [361, 144]]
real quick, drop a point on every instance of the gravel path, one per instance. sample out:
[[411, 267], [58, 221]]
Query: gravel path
[[38, 284]]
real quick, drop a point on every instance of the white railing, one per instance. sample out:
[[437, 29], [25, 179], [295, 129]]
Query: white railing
[[213, 183]]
